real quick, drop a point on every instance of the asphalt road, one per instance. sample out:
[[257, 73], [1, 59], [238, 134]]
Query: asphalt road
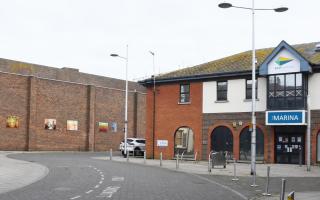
[[76, 176]]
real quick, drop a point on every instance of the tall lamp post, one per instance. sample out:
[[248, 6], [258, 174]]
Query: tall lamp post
[[154, 103], [126, 102], [253, 97]]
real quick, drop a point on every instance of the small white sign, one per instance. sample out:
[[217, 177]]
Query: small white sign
[[162, 143]]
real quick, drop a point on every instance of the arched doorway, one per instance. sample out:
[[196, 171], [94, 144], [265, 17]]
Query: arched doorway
[[245, 144], [184, 141], [222, 140], [318, 147]]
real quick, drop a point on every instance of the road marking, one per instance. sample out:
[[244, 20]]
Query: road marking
[[88, 192], [100, 182], [102, 178], [117, 178], [109, 191], [223, 186], [97, 186], [76, 197]]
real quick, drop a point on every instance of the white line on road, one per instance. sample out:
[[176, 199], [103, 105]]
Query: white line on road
[[76, 197], [117, 178], [97, 186], [88, 192], [223, 186], [100, 182]]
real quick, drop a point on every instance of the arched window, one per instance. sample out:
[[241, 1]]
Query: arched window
[[184, 141], [318, 147], [245, 144], [222, 140]]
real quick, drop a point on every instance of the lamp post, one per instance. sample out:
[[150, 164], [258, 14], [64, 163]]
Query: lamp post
[[253, 97], [154, 103], [126, 102]]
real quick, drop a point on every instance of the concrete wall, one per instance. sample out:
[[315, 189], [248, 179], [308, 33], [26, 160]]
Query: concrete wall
[[236, 97]]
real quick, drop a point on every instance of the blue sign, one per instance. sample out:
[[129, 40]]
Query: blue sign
[[296, 117]]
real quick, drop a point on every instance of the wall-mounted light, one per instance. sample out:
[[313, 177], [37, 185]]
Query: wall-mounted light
[[240, 123], [234, 124]]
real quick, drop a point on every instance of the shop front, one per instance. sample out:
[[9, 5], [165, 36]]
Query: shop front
[[287, 74], [290, 144], [290, 133]]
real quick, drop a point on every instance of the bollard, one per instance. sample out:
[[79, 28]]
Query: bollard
[[254, 177], [128, 156], [110, 154], [234, 171], [290, 196], [209, 163], [266, 193], [144, 157], [177, 162], [300, 156], [160, 159], [283, 189]]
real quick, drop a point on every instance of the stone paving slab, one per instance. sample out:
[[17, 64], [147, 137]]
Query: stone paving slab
[[16, 174]]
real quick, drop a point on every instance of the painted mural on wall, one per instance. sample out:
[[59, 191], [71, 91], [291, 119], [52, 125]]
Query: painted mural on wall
[[114, 127], [50, 124], [103, 126], [12, 122], [72, 125]]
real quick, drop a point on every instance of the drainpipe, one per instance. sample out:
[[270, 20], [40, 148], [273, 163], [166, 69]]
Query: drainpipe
[[308, 135]]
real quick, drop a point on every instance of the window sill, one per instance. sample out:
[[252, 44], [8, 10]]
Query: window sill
[[222, 101], [184, 103], [249, 100]]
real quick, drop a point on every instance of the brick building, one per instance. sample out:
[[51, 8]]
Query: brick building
[[208, 107], [46, 108]]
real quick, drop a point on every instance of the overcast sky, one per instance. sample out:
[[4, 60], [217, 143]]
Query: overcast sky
[[182, 33]]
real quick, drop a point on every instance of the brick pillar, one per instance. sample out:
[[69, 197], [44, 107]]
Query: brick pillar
[[91, 117], [31, 139]]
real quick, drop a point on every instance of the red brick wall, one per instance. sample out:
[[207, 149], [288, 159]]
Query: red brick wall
[[35, 99], [13, 101], [61, 101], [170, 115]]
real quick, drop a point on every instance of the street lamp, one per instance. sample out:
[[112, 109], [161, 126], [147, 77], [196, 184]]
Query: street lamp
[[253, 97], [154, 103], [126, 102]]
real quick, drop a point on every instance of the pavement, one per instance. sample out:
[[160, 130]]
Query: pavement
[[15, 174]]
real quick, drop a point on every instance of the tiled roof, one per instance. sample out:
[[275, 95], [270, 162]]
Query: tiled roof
[[240, 62]]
